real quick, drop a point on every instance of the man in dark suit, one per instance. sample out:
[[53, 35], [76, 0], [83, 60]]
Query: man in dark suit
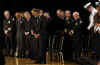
[[67, 37], [56, 28], [77, 33], [8, 31], [39, 28]]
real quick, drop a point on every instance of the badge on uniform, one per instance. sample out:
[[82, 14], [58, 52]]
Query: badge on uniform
[[65, 30], [72, 31]]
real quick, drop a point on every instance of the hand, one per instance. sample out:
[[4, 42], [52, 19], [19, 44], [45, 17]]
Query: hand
[[6, 32], [26, 33], [9, 29], [88, 28], [36, 36], [70, 33]]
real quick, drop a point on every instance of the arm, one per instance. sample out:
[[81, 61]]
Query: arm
[[91, 18], [86, 6]]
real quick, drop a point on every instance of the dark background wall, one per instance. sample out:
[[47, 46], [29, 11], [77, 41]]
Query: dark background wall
[[47, 5]]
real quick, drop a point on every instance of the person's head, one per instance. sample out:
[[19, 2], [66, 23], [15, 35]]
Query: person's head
[[90, 8], [98, 7], [27, 15], [6, 14], [60, 13], [67, 13], [32, 11], [46, 14], [18, 15], [41, 12], [76, 15], [35, 12]]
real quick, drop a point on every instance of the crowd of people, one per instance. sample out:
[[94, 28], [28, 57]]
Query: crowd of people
[[32, 34]]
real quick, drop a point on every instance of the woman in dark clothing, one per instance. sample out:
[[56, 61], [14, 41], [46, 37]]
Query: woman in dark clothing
[[19, 33]]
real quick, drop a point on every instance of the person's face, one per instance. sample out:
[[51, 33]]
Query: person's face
[[76, 16], [27, 15], [68, 14], [46, 14], [7, 15], [98, 8], [90, 8], [41, 11], [62, 13], [36, 14], [17, 15]]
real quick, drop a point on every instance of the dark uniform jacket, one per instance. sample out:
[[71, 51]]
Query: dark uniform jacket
[[8, 24], [78, 29], [57, 26], [20, 32], [36, 25], [68, 25]]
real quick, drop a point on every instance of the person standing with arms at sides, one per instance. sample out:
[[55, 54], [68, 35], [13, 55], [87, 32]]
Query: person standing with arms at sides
[[19, 34], [68, 27], [27, 34], [77, 33]]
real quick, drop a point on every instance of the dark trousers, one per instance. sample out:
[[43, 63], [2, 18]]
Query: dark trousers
[[77, 47], [34, 49], [97, 42], [67, 46], [9, 43], [20, 43], [2, 59]]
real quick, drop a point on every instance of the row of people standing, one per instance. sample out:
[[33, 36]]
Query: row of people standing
[[66, 33], [26, 35]]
